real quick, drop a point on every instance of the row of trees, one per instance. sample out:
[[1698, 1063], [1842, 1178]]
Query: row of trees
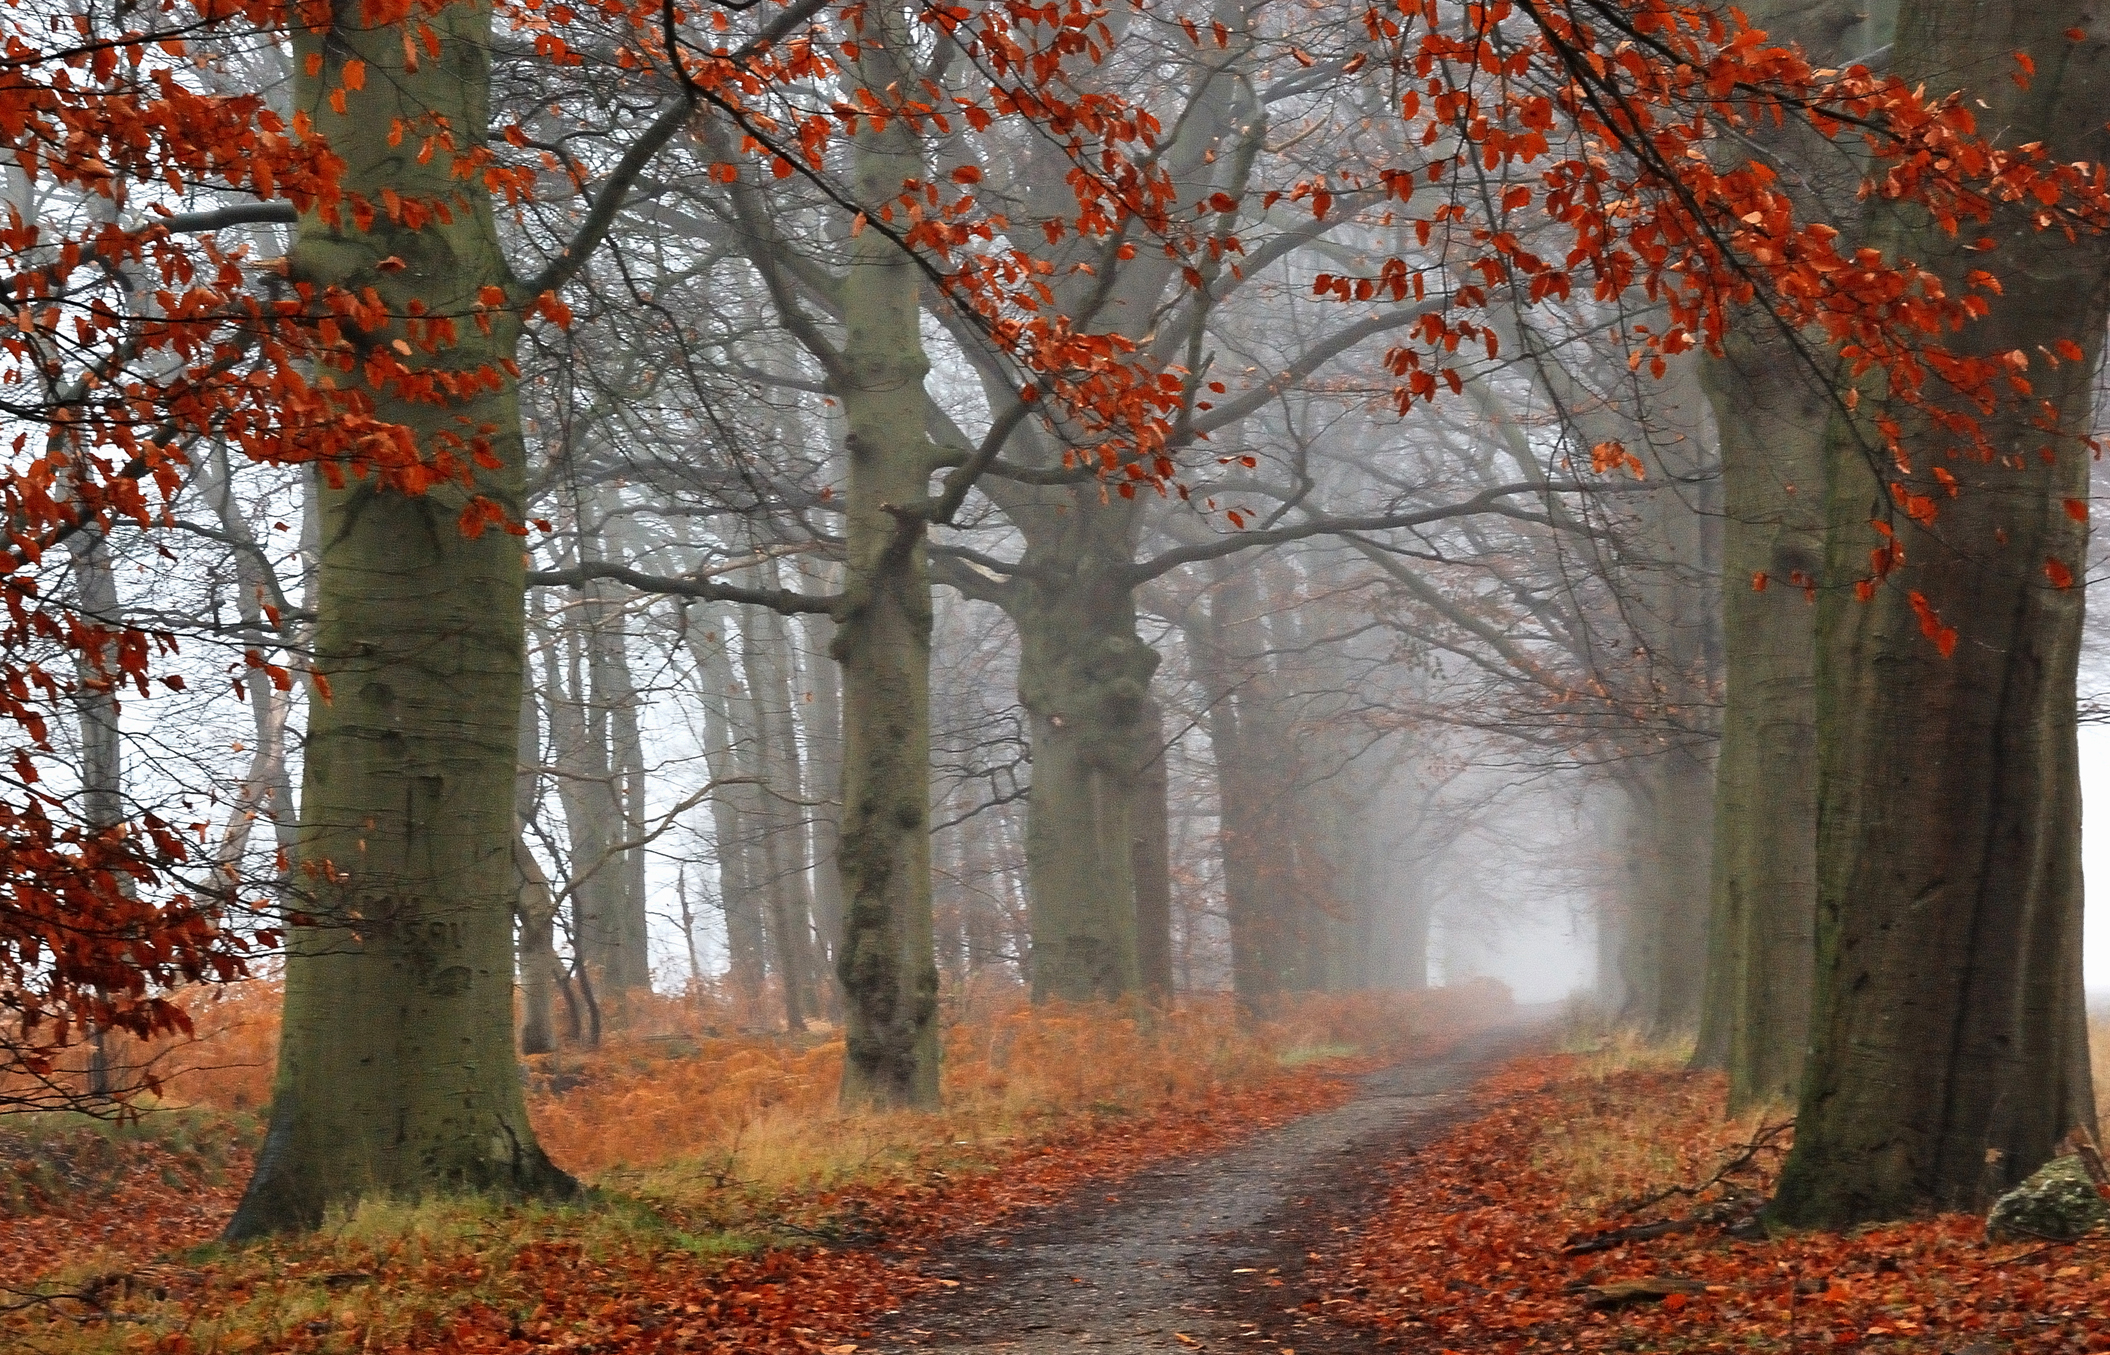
[[1332, 407]]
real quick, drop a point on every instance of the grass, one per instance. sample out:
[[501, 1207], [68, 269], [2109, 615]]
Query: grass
[[51, 1161], [385, 1275], [1628, 1147], [708, 1152], [756, 1119], [2099, 1059], [1316, 1053], [1604, 1159]]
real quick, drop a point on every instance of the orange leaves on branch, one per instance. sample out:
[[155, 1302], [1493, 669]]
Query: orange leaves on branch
[[1609, 456], [1607, 122], [1944, 637]]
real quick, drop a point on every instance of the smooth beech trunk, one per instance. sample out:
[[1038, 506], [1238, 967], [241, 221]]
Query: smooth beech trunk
[[1949, 1047], [1772, 397], [1150, 858], [887, 967], [1084, 679], [396, 1072], [1771, 410], [730, 834]]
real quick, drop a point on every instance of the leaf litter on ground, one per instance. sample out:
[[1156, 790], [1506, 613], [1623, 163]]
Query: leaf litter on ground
[[1476, 1248], [737, 1212]]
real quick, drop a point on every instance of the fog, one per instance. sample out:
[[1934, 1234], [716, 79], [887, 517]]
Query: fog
[[1549, 953]]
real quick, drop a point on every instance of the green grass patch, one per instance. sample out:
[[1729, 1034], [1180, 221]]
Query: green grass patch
[[1316, 1053]]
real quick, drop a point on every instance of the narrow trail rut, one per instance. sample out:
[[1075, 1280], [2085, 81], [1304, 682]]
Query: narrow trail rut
[[1202, 1253]]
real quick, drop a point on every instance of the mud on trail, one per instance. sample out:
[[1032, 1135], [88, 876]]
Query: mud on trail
[[1199, 1253]]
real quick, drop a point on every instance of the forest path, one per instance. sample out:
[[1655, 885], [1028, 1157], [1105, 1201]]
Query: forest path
[[1205, 1253]]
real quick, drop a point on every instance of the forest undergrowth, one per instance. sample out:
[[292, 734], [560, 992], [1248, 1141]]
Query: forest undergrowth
[[1602, 1201], [733, 1209]]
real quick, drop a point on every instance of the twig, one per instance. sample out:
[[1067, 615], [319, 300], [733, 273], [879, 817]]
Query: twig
[[1762, 1140], [1582, 1244], [2083, 1145]]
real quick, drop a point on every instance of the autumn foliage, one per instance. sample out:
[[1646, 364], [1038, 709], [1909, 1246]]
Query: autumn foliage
[[1467, 1254], [744, 1209], [137, 333]]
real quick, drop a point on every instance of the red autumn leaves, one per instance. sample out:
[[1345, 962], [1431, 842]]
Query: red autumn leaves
[[1467, 1254]]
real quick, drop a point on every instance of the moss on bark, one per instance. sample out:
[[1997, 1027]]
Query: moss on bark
[[396, 1072]]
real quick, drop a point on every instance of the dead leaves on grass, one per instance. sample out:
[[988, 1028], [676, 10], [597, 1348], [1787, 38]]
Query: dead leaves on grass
[[1467, 1253], [514, 1282]]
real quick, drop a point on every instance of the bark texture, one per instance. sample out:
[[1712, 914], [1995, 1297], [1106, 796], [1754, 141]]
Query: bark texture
[[887, 969], [1771, 410], [1772, 396], [1949, 1041], [396, 1072], [1084, 679]]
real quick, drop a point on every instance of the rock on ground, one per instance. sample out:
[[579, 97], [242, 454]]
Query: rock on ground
[[2059, 1201]]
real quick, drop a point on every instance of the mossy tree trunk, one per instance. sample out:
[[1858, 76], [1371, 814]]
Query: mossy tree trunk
[[1949, 1047], [1084, 679], [396, 1072], [1771, 410], [1772, 396], [887, 967]]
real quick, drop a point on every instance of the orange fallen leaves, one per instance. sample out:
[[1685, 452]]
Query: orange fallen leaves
[[1041, 1102], [78, 1199], [1466, 1252]]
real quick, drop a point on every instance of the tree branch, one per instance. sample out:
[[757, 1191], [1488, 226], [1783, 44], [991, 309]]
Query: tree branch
[[782, 600], [608, 201], [1488, 500]]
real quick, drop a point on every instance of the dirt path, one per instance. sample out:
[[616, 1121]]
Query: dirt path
[[1202, 1253]]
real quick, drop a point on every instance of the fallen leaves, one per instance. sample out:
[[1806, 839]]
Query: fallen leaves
[[1467, 1252], [696, 1253]]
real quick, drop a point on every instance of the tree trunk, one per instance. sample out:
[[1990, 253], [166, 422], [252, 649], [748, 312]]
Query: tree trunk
[[535, 905], [1084, 679], [96, 675], [1151, 858], [824, 752], [541, 972], [1223, 645], [777, 800], [584, 780], [888, 973], [1771, 411], [628, 962], [608, 878], [396, 1072], [1771, 403], [737, 895], [1670, 795], [1949, 1047]]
